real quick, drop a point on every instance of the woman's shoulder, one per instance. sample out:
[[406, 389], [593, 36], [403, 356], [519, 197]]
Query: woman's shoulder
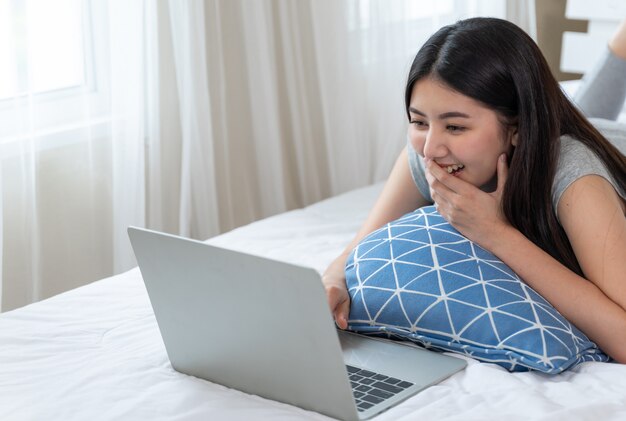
[[576, 158], [575, 161]]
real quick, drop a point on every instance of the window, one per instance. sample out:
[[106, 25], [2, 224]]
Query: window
[[41, 45], [51, 79]]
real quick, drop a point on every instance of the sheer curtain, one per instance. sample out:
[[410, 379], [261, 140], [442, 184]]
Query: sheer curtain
[[71, 142], [192, 117]]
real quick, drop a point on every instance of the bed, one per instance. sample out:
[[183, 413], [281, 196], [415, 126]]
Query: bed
[[95, 353]]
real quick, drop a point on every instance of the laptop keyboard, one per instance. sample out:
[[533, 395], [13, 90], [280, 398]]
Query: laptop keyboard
[[370, 388]]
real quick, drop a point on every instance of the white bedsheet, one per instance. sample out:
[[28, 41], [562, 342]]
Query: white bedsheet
[[95, 353]]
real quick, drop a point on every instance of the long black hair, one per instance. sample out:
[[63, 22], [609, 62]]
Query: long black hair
[[499, 65]]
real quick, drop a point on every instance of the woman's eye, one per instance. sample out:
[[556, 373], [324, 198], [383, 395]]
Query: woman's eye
[[418, 124], [454, 129]]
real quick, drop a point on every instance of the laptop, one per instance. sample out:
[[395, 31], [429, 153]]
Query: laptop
[[264, 327]]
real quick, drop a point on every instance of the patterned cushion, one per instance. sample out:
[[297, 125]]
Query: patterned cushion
[[418, 278]]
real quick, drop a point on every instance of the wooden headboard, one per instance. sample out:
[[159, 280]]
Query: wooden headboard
[[572, 33]]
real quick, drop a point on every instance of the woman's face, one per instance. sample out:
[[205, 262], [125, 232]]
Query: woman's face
[[457, 132]]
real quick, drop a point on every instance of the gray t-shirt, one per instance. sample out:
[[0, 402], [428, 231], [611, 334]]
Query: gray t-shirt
[[575, 161]]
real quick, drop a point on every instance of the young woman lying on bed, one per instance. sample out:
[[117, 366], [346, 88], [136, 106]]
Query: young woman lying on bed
[[515, 167]]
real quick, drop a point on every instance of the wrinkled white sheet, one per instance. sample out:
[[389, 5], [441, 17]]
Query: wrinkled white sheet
[[95, 353]]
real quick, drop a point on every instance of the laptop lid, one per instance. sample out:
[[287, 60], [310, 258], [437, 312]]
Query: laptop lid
[[257, 325]]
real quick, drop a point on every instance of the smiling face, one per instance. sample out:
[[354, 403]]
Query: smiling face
[[457, 132]]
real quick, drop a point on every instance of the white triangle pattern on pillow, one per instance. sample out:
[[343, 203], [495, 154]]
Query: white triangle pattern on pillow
[[418, 278]]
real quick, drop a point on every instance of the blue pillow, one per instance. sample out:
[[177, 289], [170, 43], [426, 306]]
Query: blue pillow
[[419, 279]]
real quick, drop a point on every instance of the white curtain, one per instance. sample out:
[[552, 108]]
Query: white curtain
[[72, 129], [192, 117]]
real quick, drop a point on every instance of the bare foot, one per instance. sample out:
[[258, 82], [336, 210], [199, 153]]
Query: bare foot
[[617, 44]]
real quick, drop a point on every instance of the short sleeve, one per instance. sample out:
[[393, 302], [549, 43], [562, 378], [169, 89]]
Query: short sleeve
[[418, 172], [576, 161]]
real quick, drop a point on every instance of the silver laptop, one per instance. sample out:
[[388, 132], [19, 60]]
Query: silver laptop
[[264, 327]]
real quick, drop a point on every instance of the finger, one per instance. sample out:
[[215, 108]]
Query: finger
[[334, 299], [503, 173], [438, 199], [437, 186], [452, 183], [440, 194], [341, 314], [439, 203]]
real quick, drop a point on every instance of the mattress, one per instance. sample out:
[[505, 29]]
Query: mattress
[[95, 353]]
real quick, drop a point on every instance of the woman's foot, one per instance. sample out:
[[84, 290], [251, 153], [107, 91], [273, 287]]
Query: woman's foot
[[617, 44]]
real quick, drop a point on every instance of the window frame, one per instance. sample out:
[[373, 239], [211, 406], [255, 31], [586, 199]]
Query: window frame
[[62, 116]]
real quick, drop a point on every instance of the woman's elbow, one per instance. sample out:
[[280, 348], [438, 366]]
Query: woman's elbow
[[619, 357], [616, 349]]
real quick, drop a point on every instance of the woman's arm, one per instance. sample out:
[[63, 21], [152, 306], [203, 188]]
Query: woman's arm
[[399, 196], [592, 215]]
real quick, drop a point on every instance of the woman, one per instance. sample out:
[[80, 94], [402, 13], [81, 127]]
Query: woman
[[515, 167]]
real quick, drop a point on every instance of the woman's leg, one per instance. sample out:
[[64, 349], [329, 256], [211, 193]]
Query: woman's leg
[[603, 89]]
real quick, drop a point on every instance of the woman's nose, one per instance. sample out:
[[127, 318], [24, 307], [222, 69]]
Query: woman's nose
[[435, 146]]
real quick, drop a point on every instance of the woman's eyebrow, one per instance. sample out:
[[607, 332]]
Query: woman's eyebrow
[[453, 114], [449, 114], [416, 111]]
